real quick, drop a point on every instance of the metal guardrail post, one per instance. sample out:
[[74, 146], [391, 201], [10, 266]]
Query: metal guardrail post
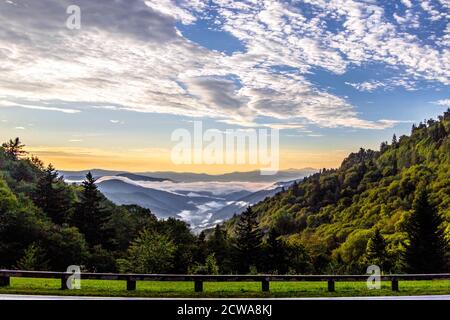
[[265, 285], [331, 287], [5, 281], [198, 286], [64, 279], [131, 285], [394, 284]]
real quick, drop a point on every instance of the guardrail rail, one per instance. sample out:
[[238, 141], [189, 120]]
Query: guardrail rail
[[131, 279]]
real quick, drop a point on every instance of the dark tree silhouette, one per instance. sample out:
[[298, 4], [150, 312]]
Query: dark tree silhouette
[[248, 240], [376, 253], [90, 217], [394, 141], [51, 196], [276, 254], [218, 244], [426, 250], [14, 148], [200, 253]]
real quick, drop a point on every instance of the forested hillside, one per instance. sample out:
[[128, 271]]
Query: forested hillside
[[46, 224], [337, 215], [389, 207]]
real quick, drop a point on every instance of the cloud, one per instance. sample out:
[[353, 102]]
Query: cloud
[[367, 85], [214, 188], [182, 10], [130, 55], [218, 92], [443, 102], [315, 135], [283, 126], [9, 104], [407, 3], [388, 84]]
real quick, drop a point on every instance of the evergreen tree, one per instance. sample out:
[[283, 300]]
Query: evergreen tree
[[394, 141], [184, 241], [248, 241], [201, 250], [294, 189], [426, 250], [51, 196], [90, 216], [219, 245], [33, 259], [14, 148], [275, 258], [211, 264], [376, 253]]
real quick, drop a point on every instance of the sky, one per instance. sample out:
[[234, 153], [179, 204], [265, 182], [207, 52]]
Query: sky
[[332, 76]]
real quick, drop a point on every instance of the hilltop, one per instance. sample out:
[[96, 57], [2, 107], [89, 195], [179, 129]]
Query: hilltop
[[334, 212]]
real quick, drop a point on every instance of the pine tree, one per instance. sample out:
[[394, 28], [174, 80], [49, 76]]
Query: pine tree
[[376, 253], [219, 245], [33, 259], [294, 189], [211, 266], [248, 241], [426, 250], [14, 148], [51, 196], [201, 250], [394, 141], [275, 258], [90, 216]]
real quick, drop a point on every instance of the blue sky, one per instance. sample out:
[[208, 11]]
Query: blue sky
[[333, 75]]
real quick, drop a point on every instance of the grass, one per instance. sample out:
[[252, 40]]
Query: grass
[[222, 289]]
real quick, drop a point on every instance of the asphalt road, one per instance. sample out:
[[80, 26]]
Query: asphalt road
[[32, 297]]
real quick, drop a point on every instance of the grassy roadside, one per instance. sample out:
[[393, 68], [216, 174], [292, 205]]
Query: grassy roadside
[[220, 289]]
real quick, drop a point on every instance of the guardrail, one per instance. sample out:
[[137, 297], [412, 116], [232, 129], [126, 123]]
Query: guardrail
[[198, 280]]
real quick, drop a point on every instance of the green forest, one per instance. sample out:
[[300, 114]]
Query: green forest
[[389, 207]]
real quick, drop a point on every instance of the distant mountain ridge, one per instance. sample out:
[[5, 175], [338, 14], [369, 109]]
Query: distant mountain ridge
[[168, 194], [249, 176], [137, 177], [200, 208]]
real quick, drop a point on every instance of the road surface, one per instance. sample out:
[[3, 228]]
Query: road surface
[[39, 297]]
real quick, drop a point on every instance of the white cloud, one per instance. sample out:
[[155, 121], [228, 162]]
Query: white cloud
[[388, 84], [407, 3], [432, 12], [178, 11], [443, 102], [6, 103], [132, 57], [367, 85], [315, 135]]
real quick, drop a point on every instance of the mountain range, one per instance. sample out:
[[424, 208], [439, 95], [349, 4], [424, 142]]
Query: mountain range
[[250, 176], [202, 200]]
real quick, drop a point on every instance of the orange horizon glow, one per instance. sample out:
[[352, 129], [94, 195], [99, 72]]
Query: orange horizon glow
[[77, 159]]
